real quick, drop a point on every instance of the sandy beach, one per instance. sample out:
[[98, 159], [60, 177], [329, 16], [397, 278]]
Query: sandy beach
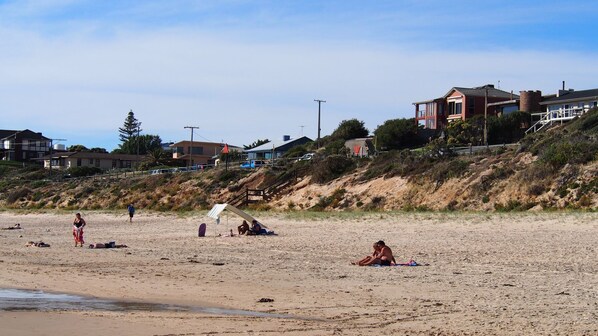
[[487, 274]]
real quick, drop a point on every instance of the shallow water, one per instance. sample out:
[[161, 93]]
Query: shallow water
[[32, 300]]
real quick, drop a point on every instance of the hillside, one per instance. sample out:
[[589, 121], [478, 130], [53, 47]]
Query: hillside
[[556, 169]]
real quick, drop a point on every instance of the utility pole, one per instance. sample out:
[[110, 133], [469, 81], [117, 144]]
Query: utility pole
[[138, 130], [320, 101], [191, 147], [486, 117]]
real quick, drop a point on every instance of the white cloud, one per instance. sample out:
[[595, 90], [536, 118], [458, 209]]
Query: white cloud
[[80, 85]]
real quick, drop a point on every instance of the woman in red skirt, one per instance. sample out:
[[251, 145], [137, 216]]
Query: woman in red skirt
[[78, 225]]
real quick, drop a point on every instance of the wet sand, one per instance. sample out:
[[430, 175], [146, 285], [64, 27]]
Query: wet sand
[[488, 274]]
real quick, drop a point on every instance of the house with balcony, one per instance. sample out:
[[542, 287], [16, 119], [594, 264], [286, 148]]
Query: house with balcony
[[564, 106], [199, 152], [103, 161], [23, 146], [459, 103]]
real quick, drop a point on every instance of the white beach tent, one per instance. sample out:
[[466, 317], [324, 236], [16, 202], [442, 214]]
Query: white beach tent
[[219, 208]]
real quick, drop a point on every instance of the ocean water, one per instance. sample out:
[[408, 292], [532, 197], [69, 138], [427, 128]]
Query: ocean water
[[34, 300]]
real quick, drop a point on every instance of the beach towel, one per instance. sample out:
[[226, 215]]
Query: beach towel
[[409, 263]]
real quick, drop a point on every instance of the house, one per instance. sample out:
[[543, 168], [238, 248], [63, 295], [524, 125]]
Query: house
[[564, 106], [527, 101], [199, 152], [104, 161], [23, 146], [361, 147], [459, 103], [275, 149]]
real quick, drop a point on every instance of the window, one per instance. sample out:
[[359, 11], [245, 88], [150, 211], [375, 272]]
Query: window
[[197, 151], [78, 162], [113, 163], [454, 107], [470, 106], [90, 162], [180, 150], [98, 163]]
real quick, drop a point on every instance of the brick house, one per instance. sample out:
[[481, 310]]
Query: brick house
[[200, 152], [459, 103]]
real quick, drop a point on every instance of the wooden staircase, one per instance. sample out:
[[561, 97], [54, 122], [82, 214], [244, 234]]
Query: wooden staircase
[[249, 196]]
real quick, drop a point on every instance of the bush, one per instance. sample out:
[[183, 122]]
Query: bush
[[83, 171], [330, 168]]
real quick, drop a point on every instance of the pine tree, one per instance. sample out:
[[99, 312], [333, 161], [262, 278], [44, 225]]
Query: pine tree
[[130, 128]]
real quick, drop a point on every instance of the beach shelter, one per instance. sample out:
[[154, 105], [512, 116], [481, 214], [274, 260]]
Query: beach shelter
[[217, 210]]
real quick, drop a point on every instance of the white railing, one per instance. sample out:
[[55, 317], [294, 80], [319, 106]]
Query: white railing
[[550, 117]]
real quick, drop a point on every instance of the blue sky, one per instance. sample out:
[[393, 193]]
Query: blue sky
[[246, 70]]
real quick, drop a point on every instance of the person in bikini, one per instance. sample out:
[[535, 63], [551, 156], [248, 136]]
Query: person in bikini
[[78, 225]]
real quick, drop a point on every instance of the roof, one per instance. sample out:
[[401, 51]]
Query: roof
[[572, 96], [480, 91], [7, 133], [94, 155], [504, 102], [26, 134], [195, 142], [268, 146]]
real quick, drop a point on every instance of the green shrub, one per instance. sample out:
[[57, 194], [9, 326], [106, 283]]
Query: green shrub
[[330, 168], [83, 171]]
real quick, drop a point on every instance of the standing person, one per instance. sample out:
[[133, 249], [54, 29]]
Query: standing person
[[131, 210], [78, 225]]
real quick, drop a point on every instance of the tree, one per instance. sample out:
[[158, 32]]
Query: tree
[[256, 143], [397, 134], [131, 127], [464, 132], [77, 148], [350, 129], [509, 128], [147, 143], [98, 150]]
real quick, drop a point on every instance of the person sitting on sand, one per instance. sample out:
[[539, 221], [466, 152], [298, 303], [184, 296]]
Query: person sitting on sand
[[243, 228], [384, 256], [368, 258], [256, 228], [78, 225]]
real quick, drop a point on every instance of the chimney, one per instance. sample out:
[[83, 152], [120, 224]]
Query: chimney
[[286, 137], [563, 86]]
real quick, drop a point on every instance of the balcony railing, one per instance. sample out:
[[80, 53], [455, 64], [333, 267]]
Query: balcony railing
[[550, 117]]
